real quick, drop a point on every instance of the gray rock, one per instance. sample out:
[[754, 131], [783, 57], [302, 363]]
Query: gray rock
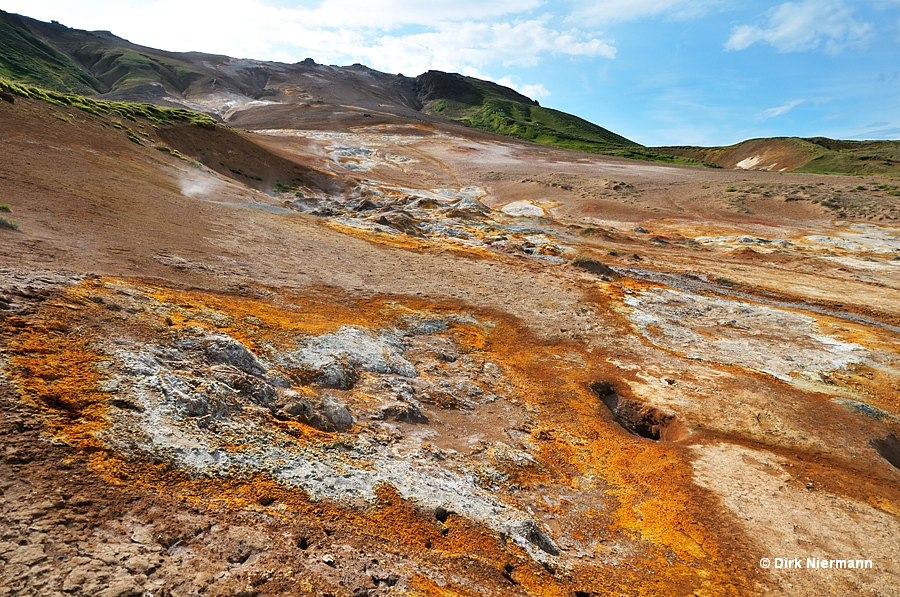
[[416, 324], [336, 414], [753, 240], [257, 390], [299, 408], [640, 229], [401, 221], [595, 267], [278, 380], [533, 533], [405, 413], [194, 404], [334, 360], [227, 350], [329, 414], [471, 204]]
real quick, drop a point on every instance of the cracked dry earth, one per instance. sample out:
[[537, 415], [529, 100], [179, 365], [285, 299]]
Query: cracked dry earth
[[410, 387]]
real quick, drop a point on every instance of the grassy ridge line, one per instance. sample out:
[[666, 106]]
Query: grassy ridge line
[[127, 110], [559, 129], [854, 157], [93, 68], [119, 68]]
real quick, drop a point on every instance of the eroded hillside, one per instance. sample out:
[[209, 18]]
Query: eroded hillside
[[817, 155], [406, 359]]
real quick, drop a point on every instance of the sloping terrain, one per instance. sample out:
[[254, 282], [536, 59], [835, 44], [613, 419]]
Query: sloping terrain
[[26, 58], [253, 94], [791, 154], [494, 108], [413, 358], [250, 93]]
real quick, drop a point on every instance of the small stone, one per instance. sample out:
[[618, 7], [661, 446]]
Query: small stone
[[336, 414], [88, 574], [139, 565], [28, 555], [227, 350], [121, 588]]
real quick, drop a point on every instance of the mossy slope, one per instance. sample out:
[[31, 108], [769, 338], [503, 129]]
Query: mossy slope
[[26, 58], [98, 107], [491, 107], [54, 57]]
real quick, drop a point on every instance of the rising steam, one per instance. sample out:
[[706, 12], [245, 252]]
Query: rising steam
[[195, 185]]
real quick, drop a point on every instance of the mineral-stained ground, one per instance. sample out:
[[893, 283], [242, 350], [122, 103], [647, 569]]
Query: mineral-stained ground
[[403, 359]]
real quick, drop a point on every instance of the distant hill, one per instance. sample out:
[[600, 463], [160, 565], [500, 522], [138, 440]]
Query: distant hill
[[492, 107], [817, 155], [259, 94]]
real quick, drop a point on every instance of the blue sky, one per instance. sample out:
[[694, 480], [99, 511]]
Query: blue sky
[[660, 72]]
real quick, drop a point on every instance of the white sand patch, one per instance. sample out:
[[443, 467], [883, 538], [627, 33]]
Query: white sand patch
[[523, 208], [748, 163], [786, 345]]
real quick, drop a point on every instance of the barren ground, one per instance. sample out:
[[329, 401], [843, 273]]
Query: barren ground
[[358, 360]]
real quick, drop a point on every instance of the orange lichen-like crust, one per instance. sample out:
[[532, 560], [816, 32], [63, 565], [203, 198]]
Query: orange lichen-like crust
[[672, 544], [58, 371]]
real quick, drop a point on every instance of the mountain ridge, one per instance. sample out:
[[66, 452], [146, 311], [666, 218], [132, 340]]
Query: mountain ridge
[[98, 63]]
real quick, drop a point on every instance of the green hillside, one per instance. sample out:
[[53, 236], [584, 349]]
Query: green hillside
[[814, 155], [854, 157], [491, 107], [118, 68], [54, 57], [25, 58]]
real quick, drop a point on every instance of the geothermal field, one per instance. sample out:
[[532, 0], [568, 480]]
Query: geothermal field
[[316, 348]]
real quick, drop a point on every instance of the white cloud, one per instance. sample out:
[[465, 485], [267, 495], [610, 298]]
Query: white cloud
[[472, 44], [778, 111], [380, 14], [532, 91], [609, 11], [804, 26], [405, 36]]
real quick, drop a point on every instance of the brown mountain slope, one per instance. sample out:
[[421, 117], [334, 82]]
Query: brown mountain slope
[[790, 154], [775, 154], [253, 93]]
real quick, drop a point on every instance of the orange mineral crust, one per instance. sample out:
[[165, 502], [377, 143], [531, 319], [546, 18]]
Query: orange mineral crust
[[623, 506]]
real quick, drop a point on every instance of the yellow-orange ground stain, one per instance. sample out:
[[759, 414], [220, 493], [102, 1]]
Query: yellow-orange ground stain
[[59, 373], [420, 245], [650, 480]]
